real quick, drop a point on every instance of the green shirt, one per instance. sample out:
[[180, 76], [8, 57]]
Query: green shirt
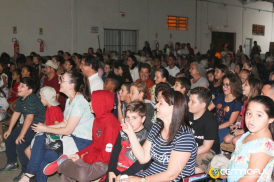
[[31, 105]]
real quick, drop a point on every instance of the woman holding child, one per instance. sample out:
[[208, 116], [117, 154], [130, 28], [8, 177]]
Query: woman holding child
[[170, 142], [78, 122]]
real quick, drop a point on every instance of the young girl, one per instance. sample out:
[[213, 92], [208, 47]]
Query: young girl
[[4, 78], [210, 75], [228, 105], [69, 65], [123, 71], [216, 86], [123, 99], [251, 88], [238, 68], [107, 70], [16, 75], [254, 152]]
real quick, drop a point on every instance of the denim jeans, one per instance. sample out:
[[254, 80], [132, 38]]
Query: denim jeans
[[40, 157], [11, 147], [222, 133]]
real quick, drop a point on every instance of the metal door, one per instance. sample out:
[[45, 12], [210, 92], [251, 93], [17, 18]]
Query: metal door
[[120, 40]]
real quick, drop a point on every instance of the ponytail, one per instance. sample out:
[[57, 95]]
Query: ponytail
[[81, 83]]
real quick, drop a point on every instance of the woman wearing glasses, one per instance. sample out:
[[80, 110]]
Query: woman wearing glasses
[[228, 105], [78, 122]]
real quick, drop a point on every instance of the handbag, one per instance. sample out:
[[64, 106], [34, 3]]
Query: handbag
[[53, 142]]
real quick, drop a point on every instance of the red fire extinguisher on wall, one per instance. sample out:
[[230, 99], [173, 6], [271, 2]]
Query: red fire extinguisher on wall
[[15, 45], [42, 44]]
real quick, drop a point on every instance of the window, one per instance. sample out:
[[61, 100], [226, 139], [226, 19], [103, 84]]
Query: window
[[258, 29], [177, 23], [120, 40]]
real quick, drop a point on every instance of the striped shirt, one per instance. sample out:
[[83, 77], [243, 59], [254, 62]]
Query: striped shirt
[[160, 153]]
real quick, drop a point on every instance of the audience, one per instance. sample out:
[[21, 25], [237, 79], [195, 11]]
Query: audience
[[211, 99]]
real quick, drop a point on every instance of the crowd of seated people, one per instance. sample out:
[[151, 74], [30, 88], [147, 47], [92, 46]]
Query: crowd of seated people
[[152, 115]]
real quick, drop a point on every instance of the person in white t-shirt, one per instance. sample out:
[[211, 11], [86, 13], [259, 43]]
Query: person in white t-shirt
[[184, 51], [171, 68], [89, 67]]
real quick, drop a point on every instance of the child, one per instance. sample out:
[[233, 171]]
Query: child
[[34, 112], [210, 75], [138, 91], [107, 70], [205, 127], [228, 105], [122, 161], [69, 65], [12, 66], [251, 88], [253, 155], [53, 113], [16, 75], [4, 78], [182, 85], [112, 84], [92, 162], [123, 99]]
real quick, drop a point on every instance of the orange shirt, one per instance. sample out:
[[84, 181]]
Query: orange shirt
[[149, 83]]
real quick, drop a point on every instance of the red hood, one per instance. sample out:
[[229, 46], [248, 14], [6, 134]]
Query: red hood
[[102, 102]]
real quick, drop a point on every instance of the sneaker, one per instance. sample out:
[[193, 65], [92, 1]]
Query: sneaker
[[2, 147], [9, 167], [17, 178], [52, 168]]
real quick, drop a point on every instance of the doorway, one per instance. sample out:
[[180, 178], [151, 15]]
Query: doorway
[[220, 39], [248, 45], [120, 40]]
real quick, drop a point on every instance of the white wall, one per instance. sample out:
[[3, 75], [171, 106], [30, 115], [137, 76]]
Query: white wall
[[67, 23]]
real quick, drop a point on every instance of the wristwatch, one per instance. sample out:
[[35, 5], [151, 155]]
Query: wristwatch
[[143, 179]]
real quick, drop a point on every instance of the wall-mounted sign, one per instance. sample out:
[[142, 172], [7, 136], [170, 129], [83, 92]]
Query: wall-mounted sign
[[94, 30], [40, 31], [14, 30]]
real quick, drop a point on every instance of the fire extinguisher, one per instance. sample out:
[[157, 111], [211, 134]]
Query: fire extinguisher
[[15, 45], [42, 44]]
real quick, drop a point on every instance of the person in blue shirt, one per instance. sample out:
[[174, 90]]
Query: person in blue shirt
[[228, 105]]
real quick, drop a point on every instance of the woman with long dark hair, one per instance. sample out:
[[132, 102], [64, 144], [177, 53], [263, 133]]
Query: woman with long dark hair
[[170, 142], [133, 67]]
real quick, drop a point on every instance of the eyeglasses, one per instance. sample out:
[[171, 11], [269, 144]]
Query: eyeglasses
[[62, 80], [226, 85]]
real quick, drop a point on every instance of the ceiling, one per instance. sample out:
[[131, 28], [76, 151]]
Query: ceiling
[[249, 1]]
